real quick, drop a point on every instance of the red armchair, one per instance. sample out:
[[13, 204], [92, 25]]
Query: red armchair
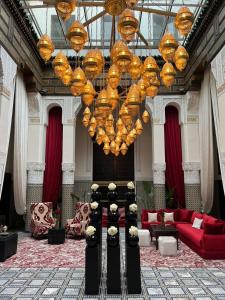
[[76, 227], [41, 219]]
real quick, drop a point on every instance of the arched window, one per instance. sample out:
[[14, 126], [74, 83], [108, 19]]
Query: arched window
[[53, 157], [173, 156]]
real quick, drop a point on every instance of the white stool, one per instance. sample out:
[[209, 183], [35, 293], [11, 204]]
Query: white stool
[[167, 246], [144, 237]]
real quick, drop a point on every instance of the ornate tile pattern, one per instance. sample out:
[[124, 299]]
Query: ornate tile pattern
[[34, 194], [159, 196], [67, 202], [193, 196]]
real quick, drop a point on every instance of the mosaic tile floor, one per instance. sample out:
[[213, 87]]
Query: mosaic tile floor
[[158, 283]]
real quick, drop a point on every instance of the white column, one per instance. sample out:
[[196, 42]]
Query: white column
[[7, 85], [72, 108]]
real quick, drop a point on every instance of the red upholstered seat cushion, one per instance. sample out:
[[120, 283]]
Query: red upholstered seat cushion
[[185, 215], [216, 228], [214, 242], [193, 234], [196, 215]]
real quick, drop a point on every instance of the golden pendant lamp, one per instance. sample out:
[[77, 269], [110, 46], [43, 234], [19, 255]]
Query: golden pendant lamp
[[88, 93], [60, 64], [115, 7], [150, 68], [127, 25], [153, 88], [91, 131], [184, 21], [135, 68], [131, 3], [79, 80], [103, 103], [106, 148], [113, 76], [181, 58], [133, 100], [168, 74], [168, 46], [45, 47], [113, 97], [121, 55], [145, 116], [93, 63], [77, 35], [142, 85], [67, 76], [123, 148], [65, 8], [138, 127]]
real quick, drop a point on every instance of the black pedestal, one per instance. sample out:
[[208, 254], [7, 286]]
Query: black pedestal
[[113, 270], [92, 270], [56, 236], [133, 271], [8, 245]]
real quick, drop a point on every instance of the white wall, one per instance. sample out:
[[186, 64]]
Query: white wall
[[143, 155], [83, 153]]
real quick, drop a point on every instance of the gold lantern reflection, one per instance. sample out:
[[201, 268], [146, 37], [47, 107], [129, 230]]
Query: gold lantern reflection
[[45, 47], [181, 58], [184, 21], [65, 8], [77, 36], [168, 46]]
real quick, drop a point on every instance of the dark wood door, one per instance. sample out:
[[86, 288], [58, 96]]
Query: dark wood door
[[112, 168]]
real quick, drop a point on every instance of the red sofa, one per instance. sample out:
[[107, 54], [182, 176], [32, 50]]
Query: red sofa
[[208, 242]]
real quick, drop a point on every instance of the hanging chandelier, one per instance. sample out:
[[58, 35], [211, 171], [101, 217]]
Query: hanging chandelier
[[112, 118]]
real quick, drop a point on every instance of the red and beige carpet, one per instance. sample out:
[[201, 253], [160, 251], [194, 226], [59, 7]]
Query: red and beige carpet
[[33, 253]]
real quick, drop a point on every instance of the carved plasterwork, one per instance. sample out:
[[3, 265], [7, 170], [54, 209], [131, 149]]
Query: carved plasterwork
[[191, 172], [68, 173], [7, 73], [34, 100], [35, 172], [159, 173]]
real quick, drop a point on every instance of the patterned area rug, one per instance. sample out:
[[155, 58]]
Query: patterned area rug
[[38, 253]]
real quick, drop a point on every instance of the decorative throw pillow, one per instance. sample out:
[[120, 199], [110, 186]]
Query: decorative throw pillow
[[196, 215], [168, 216], [216, 228], [152, 217], [197, 223]]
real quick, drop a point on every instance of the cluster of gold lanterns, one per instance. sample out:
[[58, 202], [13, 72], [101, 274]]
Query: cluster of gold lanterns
[[113, 120]]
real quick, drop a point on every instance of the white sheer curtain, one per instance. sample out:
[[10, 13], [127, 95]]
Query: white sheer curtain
[[217, 123], [206, 144], [20, 146]]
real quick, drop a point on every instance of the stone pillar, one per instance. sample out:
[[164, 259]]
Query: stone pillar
[[7, 84], [35, 178], [159, 185], [192, 185], [67, 188]]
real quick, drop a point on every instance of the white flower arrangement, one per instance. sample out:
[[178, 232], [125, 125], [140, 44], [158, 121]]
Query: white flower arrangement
[[133, 207], [112, 230], [90, 230], [133, 231], [94, 187], [94, 205], [113, 207], [130, 185], [112, 186]]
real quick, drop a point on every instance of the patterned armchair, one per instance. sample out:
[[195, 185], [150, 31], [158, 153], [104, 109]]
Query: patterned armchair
[[76, 227], [41, 218]]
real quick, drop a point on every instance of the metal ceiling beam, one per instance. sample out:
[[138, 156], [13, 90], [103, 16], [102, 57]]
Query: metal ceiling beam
[[142, 38], [101, 14], [155, 11]]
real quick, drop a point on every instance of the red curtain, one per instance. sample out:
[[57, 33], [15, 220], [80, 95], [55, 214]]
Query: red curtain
[[173, 156], [53, 157]]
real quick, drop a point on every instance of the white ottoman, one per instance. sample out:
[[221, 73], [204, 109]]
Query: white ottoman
[[144, 237], [167, 246]]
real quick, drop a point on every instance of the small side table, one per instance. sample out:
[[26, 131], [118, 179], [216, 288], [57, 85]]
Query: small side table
[[56, 236], [8, 245]]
